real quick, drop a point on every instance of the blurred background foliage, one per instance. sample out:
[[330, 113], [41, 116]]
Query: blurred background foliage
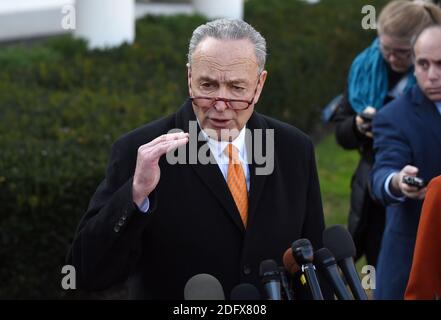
[[62, 106]]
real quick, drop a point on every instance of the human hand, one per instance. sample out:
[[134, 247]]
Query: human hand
[[398, 186], [147, 172], [364, 126]]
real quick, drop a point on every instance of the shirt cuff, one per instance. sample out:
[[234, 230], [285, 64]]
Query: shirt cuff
[[145, 205], [387, 189]]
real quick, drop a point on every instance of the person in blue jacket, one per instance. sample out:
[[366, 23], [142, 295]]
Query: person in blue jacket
[[407, 143]]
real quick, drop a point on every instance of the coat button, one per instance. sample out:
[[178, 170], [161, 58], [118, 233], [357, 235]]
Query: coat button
[[124, 218], [246, 270], [116, 228], [120, 222]]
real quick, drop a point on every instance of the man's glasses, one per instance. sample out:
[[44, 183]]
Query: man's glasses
[[235, 104]]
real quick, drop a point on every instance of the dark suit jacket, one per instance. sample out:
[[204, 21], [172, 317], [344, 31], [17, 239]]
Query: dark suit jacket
[[193, 225], [425, 277], [406, 132]]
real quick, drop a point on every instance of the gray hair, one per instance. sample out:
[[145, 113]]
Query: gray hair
[[229, 29]]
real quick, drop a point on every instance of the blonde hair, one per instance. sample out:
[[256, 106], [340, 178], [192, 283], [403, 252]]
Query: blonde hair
[[403, 19]]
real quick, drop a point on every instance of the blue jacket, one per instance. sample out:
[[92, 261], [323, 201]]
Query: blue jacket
[[407, 131]]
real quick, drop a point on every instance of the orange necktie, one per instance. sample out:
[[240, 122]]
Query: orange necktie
[[237, 183]]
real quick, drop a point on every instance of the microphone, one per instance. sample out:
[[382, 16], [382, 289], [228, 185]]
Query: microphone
[[293, 268], [203, 287], [325, 261], [290, 263], [285, 284], [303, 254], [269, 272], [245, 291], [339, 241]]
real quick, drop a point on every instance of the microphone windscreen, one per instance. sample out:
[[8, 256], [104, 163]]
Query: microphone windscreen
[[302, 251], [289, 263], [323, 257], [203, 287], [339, 241], [245, 291], [268, 268], [300, 243]]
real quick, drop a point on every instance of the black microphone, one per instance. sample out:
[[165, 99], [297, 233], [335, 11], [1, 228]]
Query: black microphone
[[304, 255], [325, 262], [245, 291], [269, 272], [339, 241], [203, 287], [285, 283]]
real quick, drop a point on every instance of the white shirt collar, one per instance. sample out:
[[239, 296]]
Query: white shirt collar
[[218, 147]]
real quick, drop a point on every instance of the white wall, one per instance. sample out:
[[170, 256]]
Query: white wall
[[105, 23], [31, 18], [220, 8]]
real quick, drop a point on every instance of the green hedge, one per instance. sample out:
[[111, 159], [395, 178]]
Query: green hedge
[[61, 107]]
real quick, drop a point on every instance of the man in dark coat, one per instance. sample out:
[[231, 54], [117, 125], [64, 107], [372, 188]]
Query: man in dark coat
[[159, 220]]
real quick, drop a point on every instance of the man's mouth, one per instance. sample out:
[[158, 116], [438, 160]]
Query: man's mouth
[[433, 91], [219, 123]]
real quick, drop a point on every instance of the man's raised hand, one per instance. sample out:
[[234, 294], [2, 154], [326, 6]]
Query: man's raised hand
[[147, 172]]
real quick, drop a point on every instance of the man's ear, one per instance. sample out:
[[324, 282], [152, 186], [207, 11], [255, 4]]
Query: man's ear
[[262, 79], [189, 78]]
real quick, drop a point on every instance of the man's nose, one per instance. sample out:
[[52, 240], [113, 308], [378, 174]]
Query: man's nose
[[434, 73], [220, 105]]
